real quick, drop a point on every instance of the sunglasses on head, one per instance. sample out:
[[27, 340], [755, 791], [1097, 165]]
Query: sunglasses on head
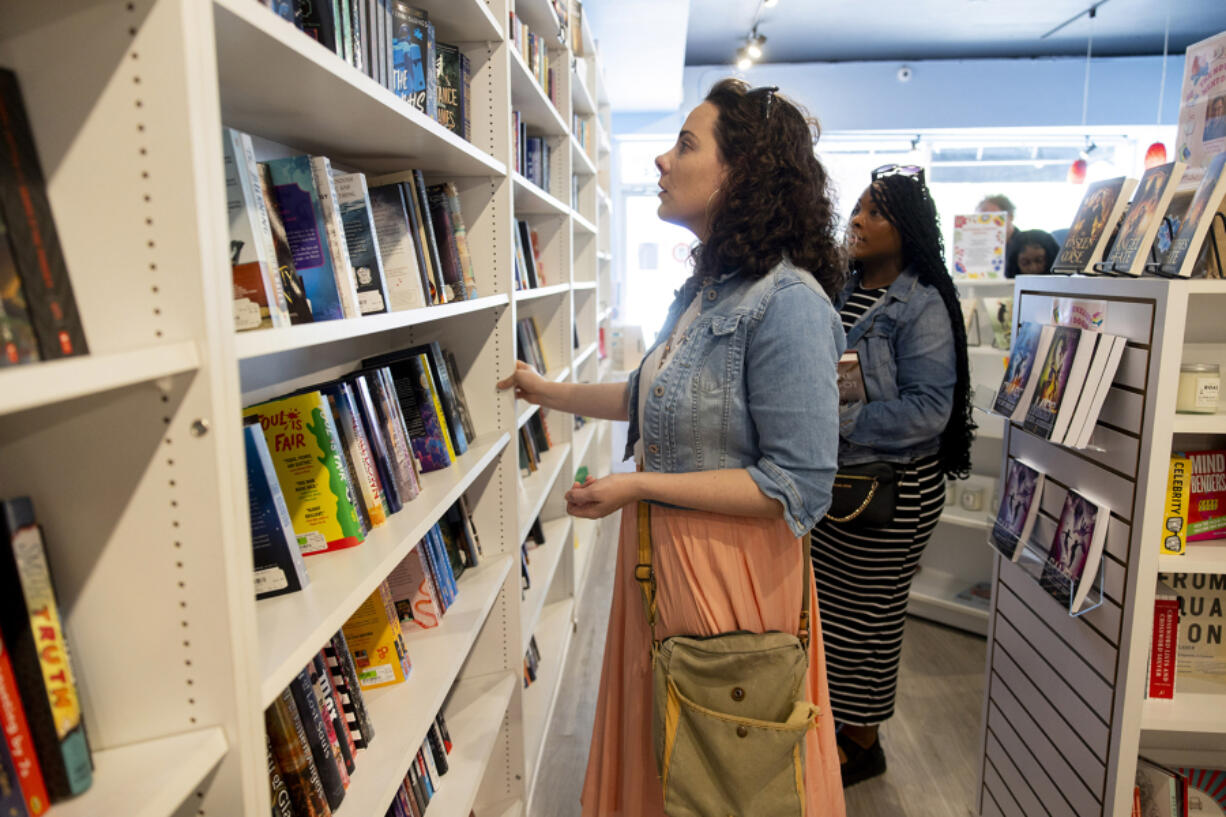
[[767, 92], [910, 171]]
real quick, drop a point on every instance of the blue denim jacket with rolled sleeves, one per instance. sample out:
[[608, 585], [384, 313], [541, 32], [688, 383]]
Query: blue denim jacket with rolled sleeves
[[753, 386], [906, 347]]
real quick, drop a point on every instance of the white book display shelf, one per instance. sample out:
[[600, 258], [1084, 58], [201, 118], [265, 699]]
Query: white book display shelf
[[133, 455], [1065, 713]]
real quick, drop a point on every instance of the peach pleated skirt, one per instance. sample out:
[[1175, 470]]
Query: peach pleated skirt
[[715, 574]]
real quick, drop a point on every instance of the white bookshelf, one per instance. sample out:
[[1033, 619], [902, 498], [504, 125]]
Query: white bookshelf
[[1075, 685], [133, 454]]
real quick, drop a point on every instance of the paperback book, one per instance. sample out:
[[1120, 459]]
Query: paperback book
[[305, 221], [1175, 508], [1100, 211], [17, 341], [1200, 658], [1071, 567], [1131, 250], [1207, 495], [1019, 508], [279, 568], [1018, 384], [1059, 382], [353, 201], [1181, 258], [1098, 379]]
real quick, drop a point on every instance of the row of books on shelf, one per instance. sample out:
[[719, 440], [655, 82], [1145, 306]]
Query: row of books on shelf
[[529, 272], [393, 43], [1113, 235], [308, 244], [535, 50], [583, 128], [1187, 653], [528, 346], [1057, 380], [1070, 557], [534, 441], [44, 750], [39, 319], [344, 456], [318, 724], [1160, 791], [536, 539], [533, 154], [532, 662]]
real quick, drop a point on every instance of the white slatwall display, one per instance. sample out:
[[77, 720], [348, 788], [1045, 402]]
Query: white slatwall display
[[133, 454], [1064, 714]]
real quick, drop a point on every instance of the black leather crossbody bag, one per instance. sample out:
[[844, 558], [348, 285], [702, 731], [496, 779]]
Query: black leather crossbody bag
[[864, 496]]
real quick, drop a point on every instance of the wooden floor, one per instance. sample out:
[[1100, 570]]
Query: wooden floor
[[931, 744]]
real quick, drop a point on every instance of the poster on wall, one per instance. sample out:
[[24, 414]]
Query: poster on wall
[[1202, 106], [979, 246]]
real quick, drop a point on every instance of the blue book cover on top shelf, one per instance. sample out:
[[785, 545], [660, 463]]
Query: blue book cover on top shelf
[[298, 203]]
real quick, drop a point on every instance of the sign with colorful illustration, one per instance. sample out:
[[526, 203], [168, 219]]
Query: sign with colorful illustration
[[979, 246]]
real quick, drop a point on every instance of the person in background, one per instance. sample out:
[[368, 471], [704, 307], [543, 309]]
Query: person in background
[[1031, 252], [733, 421], [999, 203], [903, 318]]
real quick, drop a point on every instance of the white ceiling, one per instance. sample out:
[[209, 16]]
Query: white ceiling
[[644, 44]]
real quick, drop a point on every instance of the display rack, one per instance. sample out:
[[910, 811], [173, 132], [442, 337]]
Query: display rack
[[133, 454], [1065, 715]]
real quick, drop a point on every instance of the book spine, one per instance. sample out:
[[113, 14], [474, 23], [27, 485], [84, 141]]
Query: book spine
[[452, 200], [345, 677], [249, 271], [1175, 516], [326, 761], [278, 311], [292, 287], [293, 757], [17, 341], [318, 20], [429, 274], [429, 402], [457, 385], [397, 424], [364, 257], [447, 396], [11, 802], [277, 557], [427, 442], [322, 676], [18, 741], [35, 242], [466, 95], [379, 445], [282, 803], [333, 718], [444, 238], [346, 282], [423, 207], [31, 627], [372, 487], [1163, 647], [396, 249]]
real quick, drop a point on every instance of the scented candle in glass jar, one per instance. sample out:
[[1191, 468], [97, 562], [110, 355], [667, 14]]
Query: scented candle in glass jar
[[1198, 388]]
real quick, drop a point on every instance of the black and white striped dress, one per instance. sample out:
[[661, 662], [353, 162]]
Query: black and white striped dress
[[864, 580]]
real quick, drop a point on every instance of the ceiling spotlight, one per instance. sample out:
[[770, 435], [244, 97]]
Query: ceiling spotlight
[[754, 48], [743, 61]]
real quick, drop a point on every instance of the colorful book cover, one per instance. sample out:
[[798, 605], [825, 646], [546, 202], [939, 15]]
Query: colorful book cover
[[33, 238], [1131, 249], [306, 227], [1099, 212], [17, 341], [251, 275], [342, 268], [306, 451], [449, 197], [1185, 247], [1022, 355], [1207, 495], [33, 632], [353, 438], [428, 402], [262, 205], [413, 44], [445, 393], [313, 723], [345, 679], [445, 288], [402, 462], [372, 643], [1019, 508], [444, 574], [1176, 507], [449, 79], [293, 756], [449, 258], [293, 288], [1206, 793], [330, 705], [356, 216], [401, 273], [1071, 567], [1200, 663], [429, 441], [18, 741], [1052, 381], [1202, 104], [279, 568], [979, 245], [413, 592]]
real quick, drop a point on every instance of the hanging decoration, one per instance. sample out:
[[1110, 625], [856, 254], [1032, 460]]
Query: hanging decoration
[[1155, 154], [1077, 171], [755, 44]]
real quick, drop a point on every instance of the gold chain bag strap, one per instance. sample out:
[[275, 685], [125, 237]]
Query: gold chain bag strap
[[729, 711]]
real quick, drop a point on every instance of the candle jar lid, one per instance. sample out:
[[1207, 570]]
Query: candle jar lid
[[1204, 368]]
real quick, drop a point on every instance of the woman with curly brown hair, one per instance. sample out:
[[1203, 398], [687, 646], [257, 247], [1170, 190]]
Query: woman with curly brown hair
[[733, 423]]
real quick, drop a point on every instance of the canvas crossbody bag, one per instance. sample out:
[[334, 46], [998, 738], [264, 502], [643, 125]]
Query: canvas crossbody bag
[[730, 713], [864, 496]]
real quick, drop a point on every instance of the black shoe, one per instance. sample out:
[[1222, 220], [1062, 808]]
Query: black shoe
[[862, 763]]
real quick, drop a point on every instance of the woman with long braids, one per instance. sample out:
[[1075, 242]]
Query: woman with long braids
[[733, 423], [901, 314]]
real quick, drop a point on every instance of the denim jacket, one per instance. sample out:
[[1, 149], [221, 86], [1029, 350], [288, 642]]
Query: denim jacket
[[907, 358], [752, 387]]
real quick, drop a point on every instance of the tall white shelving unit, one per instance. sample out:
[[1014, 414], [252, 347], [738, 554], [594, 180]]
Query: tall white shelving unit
[[1065, 714], [133, 454]]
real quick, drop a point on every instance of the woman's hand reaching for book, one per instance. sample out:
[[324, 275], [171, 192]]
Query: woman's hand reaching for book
[[528, 384], [597, 498]]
